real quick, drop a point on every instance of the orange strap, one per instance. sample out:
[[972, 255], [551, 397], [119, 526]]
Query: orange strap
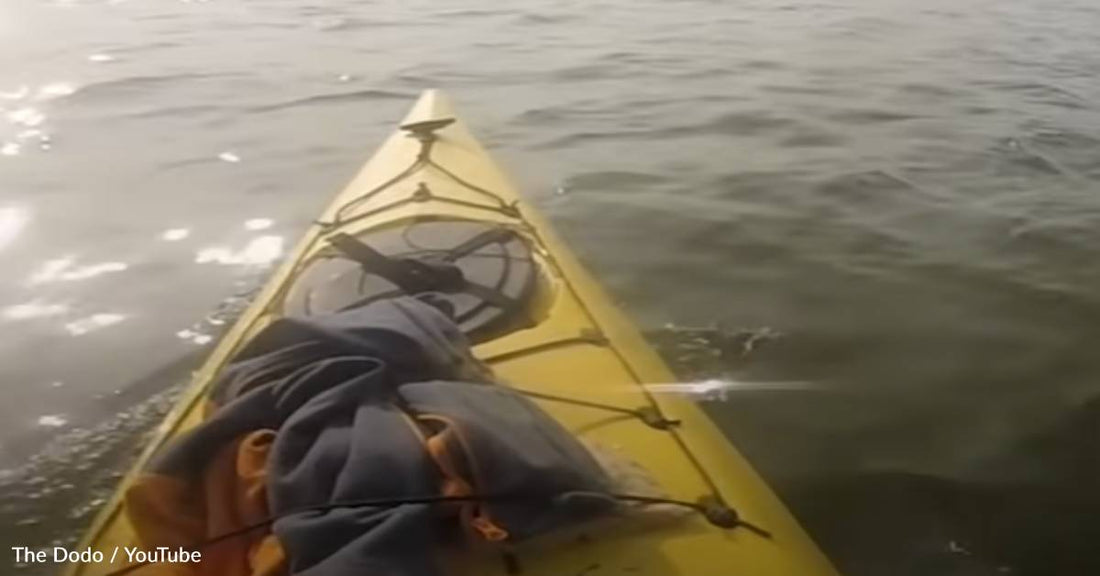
[[473, 514]]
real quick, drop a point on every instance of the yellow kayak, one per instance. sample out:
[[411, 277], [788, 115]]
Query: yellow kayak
[[552, 331]]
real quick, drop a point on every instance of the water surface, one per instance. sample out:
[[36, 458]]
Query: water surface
[[906, 194]]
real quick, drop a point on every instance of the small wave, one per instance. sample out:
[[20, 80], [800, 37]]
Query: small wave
[[757, 184], [612, 179], [586, 110], [1070, 150], [1043, 94], [597, 71], [187, 162], [340, 24], [763, 65], [579, 138], [176, 112], [112, 89], [621, 57], [54, 492], [869, 116], [1014, 154], [542, 116], [815, 89], [868, 189], [1067, 139], [811, 138], [335, 98], [929, 90], [470, 13], [698, 352], [732, 124], [538, 19], [744, 123]]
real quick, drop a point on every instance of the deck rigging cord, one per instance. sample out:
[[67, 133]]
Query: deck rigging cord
[[420, 276], [714, 512], [425, 133]]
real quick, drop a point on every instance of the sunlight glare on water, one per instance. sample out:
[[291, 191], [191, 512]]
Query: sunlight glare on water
[[93, 323], [13, 220], [259, 252]]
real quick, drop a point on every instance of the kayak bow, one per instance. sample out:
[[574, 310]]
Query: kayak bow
[[541, 323]]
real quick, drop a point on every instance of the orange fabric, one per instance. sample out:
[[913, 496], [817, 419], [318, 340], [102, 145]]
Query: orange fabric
[[473, 514], [232, 494], [453, 483]]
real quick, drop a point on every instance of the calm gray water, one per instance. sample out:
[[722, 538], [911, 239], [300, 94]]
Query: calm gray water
[[907, 194]]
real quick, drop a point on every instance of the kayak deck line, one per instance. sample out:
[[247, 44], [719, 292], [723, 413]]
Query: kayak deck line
[[646, 414], [715, 513], [578, 350], [590, 338], [424, 133]]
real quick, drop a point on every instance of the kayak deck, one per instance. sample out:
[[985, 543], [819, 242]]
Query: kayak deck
[[581, 347]]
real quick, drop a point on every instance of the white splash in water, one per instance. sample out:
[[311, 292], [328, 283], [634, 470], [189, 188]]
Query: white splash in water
[[51, 270], [29, 117], [14, 148], [260, 251], [13, 220], [93, 323], [101, 58], [17, 94], [33, 309], [175, 234], [229, 157], [63, 270], [55, 90], [93, 270], [52, 420], [194, 336], [258, 224]]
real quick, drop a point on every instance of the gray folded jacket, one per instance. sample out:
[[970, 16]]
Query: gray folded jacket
[[386, 402]]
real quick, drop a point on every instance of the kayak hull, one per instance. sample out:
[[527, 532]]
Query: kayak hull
[[581, 346]]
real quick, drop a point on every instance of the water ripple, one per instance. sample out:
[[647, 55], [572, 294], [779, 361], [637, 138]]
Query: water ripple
[[365, 95], [118, 89]]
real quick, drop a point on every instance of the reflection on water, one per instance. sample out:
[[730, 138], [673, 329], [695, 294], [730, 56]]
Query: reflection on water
[[56, 90], [52, 420], [259, 251], [34, 309], [12, 221], [17, 94], [25, 122], [230, 157], [723, 389], [67, 270], [258, 223], [194, 336], [175, 234], [28, 117], [92, 323]]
